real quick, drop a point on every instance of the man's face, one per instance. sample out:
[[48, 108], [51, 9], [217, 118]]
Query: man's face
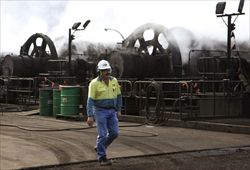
[[105, 73]]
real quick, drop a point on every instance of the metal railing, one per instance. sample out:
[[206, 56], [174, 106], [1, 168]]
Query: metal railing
[[188, 99], [191, 99]]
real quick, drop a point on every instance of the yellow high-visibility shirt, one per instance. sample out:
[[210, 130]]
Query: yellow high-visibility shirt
[[103, 96]]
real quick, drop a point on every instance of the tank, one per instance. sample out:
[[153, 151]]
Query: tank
[[127, 65], [23, 66], [14, 65]]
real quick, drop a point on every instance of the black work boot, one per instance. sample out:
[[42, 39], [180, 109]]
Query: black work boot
[[105, 162]]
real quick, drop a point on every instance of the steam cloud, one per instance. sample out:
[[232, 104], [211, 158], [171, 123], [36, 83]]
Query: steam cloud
[[21, 19]]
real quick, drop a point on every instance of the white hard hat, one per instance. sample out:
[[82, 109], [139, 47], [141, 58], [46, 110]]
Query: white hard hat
[[103, 64]]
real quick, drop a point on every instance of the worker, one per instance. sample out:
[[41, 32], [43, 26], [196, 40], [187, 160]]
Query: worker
[[103, 107]]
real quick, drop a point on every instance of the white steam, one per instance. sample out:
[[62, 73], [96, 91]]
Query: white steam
[[21, 19]]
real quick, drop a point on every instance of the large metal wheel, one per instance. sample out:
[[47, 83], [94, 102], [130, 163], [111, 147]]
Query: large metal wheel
[[162, 42], [39, 45]]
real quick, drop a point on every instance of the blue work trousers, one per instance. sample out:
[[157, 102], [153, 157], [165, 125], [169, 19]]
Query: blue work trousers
[[107, 129]]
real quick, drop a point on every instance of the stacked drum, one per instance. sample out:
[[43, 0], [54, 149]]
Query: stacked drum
[[64, 101]]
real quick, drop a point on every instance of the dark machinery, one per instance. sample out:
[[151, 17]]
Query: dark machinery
[[38, 66], [155, 55], [33, 57], [138, 58], [150, 52], [38, 56]]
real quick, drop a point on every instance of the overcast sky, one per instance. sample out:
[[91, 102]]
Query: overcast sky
[[21, 19]]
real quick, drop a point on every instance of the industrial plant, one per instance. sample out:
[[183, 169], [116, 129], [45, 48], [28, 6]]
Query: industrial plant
[[46, 91]]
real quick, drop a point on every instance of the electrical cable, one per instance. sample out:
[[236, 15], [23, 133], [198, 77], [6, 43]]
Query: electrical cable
[[153, 117], [45, 130], [151, 134], [158, 116]]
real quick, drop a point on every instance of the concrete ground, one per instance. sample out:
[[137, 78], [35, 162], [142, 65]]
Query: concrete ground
[[29, 141], [214, 159]]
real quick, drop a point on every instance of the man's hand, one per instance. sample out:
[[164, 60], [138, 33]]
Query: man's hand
[[119, 113], [90, 121]]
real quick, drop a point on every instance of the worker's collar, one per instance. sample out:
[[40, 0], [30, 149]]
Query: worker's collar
[[100, 78]]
